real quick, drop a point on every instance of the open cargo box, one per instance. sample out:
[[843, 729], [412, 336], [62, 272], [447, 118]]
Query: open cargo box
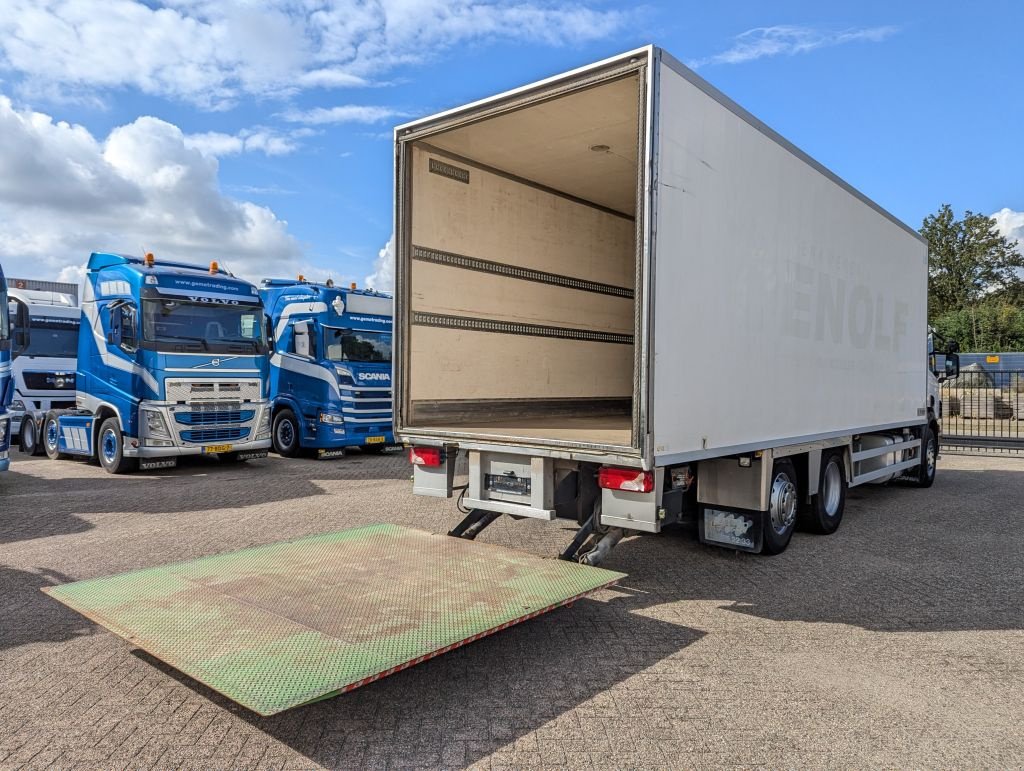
[[621, 265], [521, 262]]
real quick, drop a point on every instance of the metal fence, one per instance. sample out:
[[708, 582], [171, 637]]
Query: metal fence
[[983, 410]]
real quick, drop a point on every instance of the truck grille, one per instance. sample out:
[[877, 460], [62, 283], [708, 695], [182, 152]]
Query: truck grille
[[191, 391], [214, 417], [223, 434], [48, 381]]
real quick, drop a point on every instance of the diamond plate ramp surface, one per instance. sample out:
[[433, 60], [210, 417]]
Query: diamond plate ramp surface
[[274, 627]]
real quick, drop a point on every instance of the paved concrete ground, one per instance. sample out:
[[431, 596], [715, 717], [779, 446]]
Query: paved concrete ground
[[896, 642]]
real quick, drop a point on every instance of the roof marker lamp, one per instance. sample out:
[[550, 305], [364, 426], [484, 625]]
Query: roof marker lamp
[[149, 259], [214, 268]]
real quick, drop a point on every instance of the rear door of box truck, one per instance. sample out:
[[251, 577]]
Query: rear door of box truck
[[521, 248]]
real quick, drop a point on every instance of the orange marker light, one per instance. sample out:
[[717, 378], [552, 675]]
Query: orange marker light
[[353, 285], [214, 268], [149, 259], [301, 277]]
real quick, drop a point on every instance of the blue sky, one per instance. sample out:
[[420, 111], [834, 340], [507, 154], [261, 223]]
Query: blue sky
[[259, 132]]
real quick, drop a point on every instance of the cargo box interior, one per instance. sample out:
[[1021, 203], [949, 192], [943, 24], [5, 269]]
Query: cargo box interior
[[522, 265]]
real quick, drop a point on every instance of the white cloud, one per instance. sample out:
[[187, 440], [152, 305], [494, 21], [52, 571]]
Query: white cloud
[[264, 140], [347, 113], [1011, 225], [65, 193], [211, 53], [787, 40], [383, 277]]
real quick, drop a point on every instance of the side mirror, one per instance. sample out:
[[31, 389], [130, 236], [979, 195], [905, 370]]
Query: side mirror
[[953, 347], [22, 330], [952, 365]]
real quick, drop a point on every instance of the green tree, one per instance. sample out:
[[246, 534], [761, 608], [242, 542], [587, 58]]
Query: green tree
[[968, 261]]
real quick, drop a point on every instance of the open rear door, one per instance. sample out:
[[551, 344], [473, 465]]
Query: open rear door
[[278, 626]]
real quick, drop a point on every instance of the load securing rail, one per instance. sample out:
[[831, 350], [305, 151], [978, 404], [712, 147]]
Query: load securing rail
[[278, 626]]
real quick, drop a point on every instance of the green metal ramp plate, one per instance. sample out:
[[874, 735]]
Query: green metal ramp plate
[[277, 626]]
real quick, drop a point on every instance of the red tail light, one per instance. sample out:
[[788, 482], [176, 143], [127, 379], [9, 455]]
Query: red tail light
[[629, 479], [425, 456]]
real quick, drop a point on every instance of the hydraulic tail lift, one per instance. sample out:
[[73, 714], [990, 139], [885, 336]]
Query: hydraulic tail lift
[[275, 627]]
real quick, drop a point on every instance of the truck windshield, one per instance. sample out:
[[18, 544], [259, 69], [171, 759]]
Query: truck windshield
[[5, 331], [355, 345], [175, 324], [53, 338]]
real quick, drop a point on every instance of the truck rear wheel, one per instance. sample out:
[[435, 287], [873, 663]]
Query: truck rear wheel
[[286, 434], [29, 439], [110, 448], [825, 511], [51, 437], [929, 457], [780, 519]]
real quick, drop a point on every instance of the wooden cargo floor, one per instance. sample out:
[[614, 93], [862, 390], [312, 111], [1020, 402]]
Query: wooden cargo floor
[[608, 430]]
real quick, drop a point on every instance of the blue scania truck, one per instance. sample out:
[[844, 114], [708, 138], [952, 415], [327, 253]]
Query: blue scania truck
[[330, 372], [9, 349], [172, 361]]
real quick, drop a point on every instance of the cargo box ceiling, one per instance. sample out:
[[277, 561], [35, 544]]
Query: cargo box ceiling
[[583, 144], [519, 264]]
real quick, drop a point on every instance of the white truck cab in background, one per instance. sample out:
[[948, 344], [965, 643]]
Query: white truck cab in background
[[44, 374]]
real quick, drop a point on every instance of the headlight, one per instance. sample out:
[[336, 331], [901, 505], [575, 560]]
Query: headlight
[[156, 427], [334, 420], [263, 429], [3, 430], [17, 406]]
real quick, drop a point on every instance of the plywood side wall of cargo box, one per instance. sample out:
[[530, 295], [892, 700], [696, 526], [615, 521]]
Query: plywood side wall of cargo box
[[494, 218]]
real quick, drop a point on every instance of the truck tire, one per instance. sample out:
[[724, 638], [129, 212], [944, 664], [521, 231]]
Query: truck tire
[[110, 448], [374, 449], [825, 511], [783, 501], [929, 457], [51, 437], [286, 434], [29, 439]]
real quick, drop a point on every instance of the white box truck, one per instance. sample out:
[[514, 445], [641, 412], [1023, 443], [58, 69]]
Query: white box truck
[[631, 302]]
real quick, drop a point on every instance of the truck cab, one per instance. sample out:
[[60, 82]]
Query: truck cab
[[11, 344], [330, 372], [44, 375], [172, 361]]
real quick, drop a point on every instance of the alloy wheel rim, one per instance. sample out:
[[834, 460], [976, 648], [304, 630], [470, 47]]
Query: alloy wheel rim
[[833, 488], [285, 433], [109, 446], [783, 503]]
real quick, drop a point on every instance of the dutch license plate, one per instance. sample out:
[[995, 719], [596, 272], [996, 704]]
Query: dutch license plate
[[375, 440], [212, 449], [505, 483]]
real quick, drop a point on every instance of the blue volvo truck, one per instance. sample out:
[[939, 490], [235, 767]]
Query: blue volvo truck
[[9, 350], [330, 373], [172, 361]]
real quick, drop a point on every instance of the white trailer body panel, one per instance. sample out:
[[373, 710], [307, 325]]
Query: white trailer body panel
[[786, 305]]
